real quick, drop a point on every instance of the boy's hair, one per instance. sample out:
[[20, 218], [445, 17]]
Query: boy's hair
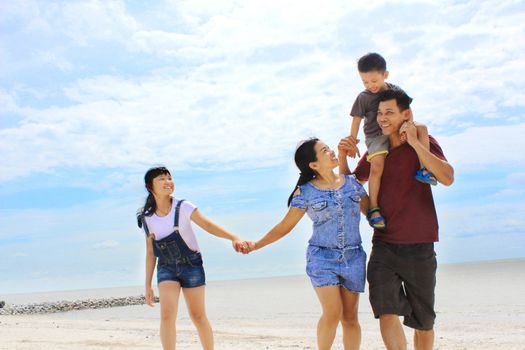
[[402, 99], [371, 62]]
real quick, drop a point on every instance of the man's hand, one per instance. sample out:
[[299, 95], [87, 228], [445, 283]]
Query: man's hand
[[408, 132]]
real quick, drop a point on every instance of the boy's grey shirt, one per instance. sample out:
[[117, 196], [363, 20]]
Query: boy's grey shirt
[[365, 106]]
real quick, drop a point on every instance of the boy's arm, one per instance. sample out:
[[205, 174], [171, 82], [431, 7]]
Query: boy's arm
[[354, 131]]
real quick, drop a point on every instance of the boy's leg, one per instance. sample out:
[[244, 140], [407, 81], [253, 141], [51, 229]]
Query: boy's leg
[[377, 163], [423, 174], [422, 136]]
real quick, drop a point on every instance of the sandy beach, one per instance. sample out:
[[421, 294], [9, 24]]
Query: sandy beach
[[479, 306]]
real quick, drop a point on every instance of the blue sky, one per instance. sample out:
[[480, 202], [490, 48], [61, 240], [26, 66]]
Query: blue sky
[[92, 93]]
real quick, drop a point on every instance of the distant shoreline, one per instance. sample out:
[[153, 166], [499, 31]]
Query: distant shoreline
[[107, 293]]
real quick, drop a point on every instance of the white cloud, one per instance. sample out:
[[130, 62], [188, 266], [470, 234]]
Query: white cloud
[[107, 244], [95, 20], [241, 83], [488, 146]]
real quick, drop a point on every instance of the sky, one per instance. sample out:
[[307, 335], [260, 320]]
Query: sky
[[93, 93]]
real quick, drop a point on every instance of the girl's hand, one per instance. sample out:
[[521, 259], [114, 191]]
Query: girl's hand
[[237, 244], [150, 296]]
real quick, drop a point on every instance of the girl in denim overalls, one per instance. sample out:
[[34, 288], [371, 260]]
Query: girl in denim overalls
[[335, 257], [170, 239]]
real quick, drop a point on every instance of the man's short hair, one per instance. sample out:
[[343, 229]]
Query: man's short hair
[[371, 62], [402, 99]]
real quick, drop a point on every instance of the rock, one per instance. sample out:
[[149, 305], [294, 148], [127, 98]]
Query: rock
[[63, 306]]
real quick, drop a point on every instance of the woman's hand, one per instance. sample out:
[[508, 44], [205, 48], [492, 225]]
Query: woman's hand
[[150, 296], [348, 145], [247, 247]]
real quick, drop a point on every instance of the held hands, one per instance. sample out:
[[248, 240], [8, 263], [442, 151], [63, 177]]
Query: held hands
[[246, 247], [243, 247], [348, 145]]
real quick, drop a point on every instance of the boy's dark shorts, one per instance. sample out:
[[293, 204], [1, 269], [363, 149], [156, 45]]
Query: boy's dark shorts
[[402, 279]]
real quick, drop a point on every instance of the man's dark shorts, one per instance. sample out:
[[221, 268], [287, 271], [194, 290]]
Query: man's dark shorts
[[402, 279]]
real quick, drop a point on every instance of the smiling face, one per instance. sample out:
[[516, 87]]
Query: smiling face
[[326, 158], [390, 117], [374, 81], [163, 185]]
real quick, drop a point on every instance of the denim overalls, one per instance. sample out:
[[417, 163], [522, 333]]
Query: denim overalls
[[176, 261], [334, 255]]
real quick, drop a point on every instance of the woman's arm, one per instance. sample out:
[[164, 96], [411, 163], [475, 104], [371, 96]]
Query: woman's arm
[[211, 227], [364, 205], [150, 267], [280, 230], [342, 149]]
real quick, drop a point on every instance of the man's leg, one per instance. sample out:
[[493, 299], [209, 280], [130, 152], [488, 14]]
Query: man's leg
[[392, 332], [423, 340]]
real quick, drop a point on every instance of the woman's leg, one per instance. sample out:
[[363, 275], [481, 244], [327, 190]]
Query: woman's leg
[[196, 308], [330, 298], [349, 320], [169, 292]]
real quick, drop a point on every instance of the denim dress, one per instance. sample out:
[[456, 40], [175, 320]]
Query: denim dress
[[334, 256]]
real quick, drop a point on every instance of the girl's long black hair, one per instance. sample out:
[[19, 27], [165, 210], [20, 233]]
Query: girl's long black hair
[[150, 206], [304, 155]]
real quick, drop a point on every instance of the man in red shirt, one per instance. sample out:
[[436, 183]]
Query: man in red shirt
[[402, 266]]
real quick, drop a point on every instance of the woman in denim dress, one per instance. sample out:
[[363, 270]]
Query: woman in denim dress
[[335, 257], [170, 240]]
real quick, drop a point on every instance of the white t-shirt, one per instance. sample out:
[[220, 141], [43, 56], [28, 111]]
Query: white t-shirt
[[163, 226]]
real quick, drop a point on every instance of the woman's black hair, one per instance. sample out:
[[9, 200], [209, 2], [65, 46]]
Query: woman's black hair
[[150, 206], [304, 155]]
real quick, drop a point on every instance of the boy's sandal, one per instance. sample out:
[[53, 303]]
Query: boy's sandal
[[374, 222], [427, 178]]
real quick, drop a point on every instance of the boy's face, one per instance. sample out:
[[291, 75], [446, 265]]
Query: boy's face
[[374, 81]]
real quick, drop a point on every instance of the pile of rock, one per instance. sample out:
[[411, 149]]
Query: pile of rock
[[62, 306]]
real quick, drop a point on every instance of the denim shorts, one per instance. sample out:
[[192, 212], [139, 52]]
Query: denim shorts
[[336, 267], [402, 279], [189, 273]]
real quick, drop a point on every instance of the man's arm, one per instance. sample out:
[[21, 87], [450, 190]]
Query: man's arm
[[440, 168]]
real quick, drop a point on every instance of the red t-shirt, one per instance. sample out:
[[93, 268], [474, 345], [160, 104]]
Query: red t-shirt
[[406, 204]]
